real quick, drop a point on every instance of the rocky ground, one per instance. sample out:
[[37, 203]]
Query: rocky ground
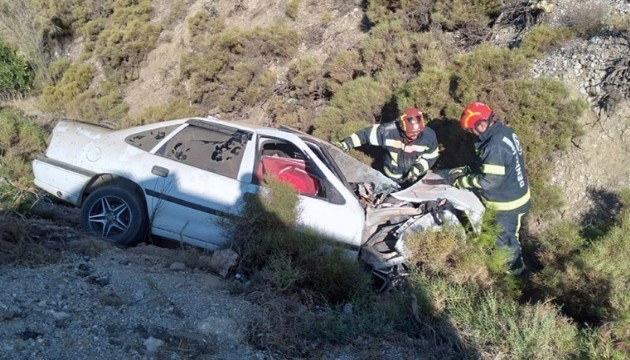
[[594, 165], [139, 303]]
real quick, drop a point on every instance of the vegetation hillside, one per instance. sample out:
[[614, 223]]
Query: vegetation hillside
[[330, 69]]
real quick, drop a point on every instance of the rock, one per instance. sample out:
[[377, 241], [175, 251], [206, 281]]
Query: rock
[[222, 261], [177, 266], [152, 344]]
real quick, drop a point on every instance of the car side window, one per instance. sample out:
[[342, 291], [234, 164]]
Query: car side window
[[218, 150], [146, 140], [288, 164]]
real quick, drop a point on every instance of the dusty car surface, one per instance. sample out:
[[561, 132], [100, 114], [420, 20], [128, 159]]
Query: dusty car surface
[[176, 178]]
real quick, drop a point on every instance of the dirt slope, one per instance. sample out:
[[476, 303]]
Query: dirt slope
[[161, 69]]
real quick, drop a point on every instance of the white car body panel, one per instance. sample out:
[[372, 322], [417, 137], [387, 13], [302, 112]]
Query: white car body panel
[[63, 183]]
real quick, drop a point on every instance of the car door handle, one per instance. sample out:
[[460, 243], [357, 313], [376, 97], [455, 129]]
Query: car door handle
[[159, 171]]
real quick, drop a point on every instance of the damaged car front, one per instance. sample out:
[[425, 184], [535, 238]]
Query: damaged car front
[[392, 213]]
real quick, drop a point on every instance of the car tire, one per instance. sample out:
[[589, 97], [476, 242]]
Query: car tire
[[115, 213]]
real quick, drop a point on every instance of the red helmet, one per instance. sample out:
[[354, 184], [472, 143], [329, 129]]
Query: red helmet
[[473, 114], [411, 123]]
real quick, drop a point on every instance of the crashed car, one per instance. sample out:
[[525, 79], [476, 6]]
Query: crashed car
[[176, 178]]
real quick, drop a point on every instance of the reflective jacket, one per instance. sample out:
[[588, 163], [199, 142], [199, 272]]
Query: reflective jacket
[[499, 175], [417, 156]]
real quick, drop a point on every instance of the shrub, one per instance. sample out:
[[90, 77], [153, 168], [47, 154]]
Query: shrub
[[542, 39], [391, 46], [293, 6], [341, 68], [482, 70], [58, 68], [201, 24], [16, 76], [216, 74], [21, 27], [471, 17], [489, 322], [429, 91], [304, 77], [476, 260], [267, 240], [175, 109], [20, 141], [589, 279], [75, 81], [357, 100], [587, 19], [290, 112], [125, 38]]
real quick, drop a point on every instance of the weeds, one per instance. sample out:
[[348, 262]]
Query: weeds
[[267, 240], [15, 75], [293, 6], [20, 141]]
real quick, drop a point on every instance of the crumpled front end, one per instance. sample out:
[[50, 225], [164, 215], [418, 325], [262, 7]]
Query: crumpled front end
[[425, 206]]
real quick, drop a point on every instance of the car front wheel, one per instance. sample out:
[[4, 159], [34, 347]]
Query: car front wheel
[[116, 214]]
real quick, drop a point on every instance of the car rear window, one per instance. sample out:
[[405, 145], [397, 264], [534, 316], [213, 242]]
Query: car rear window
[[146, 140], [216, 150]]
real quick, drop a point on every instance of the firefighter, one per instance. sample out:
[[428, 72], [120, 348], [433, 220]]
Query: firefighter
[[411, 149], [498, 177]]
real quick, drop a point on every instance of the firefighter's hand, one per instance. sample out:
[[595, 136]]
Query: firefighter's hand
[[458, 172], [341, 145], [413, 176], [460, 182]]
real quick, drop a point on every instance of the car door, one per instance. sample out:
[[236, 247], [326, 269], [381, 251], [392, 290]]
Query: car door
[[195, 183], [325, 204]]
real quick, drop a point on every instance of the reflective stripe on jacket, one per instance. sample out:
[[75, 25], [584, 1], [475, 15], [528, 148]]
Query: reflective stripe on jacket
[[417, 156]]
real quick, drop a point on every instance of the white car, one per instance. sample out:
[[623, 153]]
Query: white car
[[176, 178]]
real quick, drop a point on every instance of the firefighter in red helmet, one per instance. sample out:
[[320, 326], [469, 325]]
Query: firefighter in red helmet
[[498, 176], [411, 149]]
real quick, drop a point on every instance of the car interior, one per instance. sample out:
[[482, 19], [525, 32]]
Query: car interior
[[288, 164]]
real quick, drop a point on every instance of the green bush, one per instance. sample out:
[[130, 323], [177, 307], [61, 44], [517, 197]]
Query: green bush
[[590, 278], [293, 6], [75, 81], [216, 74], [176, 109], [341, 68], [20, 141], [542, 39], [496, 325], [305, 77], [16, 77], [201, 24], [58, 68], [429, 91], [482, 70], [122, 47], [267, 240], [357, 100]]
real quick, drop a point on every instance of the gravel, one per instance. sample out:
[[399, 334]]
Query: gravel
[[123, 304]]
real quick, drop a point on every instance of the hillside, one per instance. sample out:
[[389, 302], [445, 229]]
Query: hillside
[[557, 71]]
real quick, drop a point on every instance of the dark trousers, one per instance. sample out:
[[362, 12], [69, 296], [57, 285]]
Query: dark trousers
[[510, 223]]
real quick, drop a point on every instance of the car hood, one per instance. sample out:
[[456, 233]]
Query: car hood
[[433, 186]]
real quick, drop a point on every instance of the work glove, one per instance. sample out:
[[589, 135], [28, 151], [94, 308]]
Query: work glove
[[341, 145], [458, 172], [412, 176], [462, 182]]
